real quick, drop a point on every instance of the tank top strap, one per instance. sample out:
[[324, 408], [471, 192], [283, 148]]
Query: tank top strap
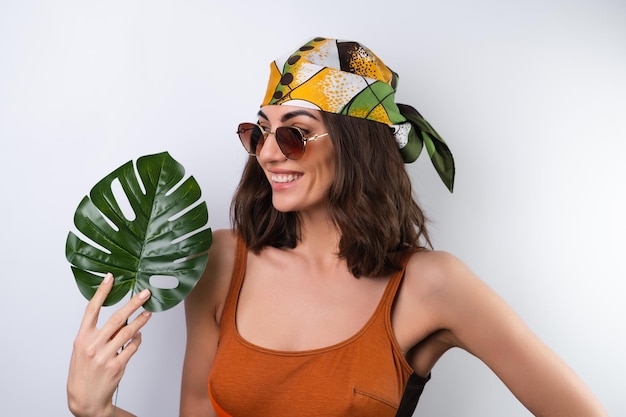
[[391, 291], [236, 281]]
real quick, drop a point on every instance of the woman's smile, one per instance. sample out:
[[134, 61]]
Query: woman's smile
[[282, 178]]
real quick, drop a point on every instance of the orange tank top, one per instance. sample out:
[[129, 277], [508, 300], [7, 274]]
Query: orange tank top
[[364, 376]]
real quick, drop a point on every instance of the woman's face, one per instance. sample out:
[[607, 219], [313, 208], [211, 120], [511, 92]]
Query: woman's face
[[297, 185]]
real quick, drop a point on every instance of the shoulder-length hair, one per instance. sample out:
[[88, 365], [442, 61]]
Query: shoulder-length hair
[[370, 201]]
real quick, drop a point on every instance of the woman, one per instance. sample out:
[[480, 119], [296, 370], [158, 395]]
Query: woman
[[340, 307]]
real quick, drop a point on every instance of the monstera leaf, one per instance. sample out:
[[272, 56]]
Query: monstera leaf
[[162, 238]]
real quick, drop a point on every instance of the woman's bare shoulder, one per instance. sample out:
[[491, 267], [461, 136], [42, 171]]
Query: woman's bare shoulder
[[441, 286], [223, 247], [211, 290], [432, 271]]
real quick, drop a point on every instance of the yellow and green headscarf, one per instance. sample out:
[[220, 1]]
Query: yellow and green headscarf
[[345, 77]]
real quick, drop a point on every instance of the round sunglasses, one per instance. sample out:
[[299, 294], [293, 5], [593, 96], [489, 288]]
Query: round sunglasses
[[290, 139]]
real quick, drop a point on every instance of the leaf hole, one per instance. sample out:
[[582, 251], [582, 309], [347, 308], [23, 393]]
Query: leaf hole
[[89, 241], [188, 235], [122, 200], [165, 282], [109, 221], [184, 211], [142, 187], [177, 185]]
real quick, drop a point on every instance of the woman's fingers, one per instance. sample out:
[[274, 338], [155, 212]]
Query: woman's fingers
[[116, 332], [92, 311], [126, 335], [118, 325], [129, 350]]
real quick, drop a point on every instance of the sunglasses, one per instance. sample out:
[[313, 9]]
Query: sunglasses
[[290, 139]]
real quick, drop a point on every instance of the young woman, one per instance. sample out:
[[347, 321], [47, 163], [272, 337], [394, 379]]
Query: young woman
[[325, 299]]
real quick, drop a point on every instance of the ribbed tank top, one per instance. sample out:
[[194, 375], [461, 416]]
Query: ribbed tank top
[[365, 375]]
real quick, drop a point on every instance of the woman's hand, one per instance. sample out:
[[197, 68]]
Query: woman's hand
[[100, 356]]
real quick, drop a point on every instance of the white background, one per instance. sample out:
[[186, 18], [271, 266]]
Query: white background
[[530, 96]]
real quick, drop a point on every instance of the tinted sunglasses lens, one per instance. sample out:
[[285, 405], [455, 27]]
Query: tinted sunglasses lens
[[290, 141], [251, 137]]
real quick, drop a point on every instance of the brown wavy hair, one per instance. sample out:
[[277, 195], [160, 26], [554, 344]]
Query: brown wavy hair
[[370, 201]]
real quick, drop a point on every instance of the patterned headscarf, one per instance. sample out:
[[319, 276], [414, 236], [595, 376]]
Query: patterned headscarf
[[346, 78]]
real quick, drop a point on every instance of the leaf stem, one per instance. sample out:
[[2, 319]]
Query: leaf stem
[[117, 389]]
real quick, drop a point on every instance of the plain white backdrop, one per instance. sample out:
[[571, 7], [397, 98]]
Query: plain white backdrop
[[530, 96]]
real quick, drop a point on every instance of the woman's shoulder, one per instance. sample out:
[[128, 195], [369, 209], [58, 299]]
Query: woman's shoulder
[[434, 264], [221, 255], [449, 290], [437, 272], [224, 243], [442, 289], [211, 290], [427, 291]]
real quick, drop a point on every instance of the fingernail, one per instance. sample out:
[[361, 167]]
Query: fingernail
[[143, 295], [107, 278], [147, 314]]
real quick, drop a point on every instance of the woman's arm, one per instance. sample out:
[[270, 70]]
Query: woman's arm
[[98, 363], [484, 325], [203, 310]]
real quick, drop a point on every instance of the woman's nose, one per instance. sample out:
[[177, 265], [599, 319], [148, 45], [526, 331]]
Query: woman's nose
[[270, 151]]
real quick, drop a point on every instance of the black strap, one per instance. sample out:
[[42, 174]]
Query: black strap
[[412, 392]]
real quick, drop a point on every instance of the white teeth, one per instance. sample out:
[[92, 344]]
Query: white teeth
[[284, 178]]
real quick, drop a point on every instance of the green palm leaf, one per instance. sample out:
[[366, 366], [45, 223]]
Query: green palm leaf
[[164, 237]]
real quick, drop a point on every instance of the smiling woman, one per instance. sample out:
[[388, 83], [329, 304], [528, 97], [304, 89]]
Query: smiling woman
[[326, 297]]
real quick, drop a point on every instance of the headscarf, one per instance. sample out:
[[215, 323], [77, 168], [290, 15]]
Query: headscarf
[[345, 77]]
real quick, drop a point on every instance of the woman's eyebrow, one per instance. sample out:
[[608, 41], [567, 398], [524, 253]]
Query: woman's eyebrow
[[291, 115]]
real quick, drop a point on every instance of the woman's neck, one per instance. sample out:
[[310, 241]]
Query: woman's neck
[[319, 236]]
